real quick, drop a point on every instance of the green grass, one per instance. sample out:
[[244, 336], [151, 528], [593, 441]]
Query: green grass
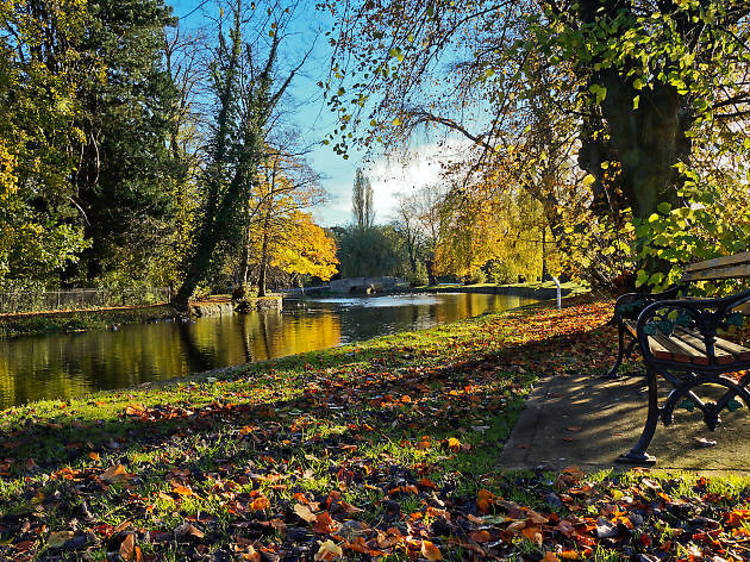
[[400, 434], [78, 321]]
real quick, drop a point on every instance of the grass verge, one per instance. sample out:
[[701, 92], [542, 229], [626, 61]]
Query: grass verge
[[82, 320], [384, 449]]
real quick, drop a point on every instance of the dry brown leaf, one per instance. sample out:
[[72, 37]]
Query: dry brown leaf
[[127, 548], [430, 551], [59, 538], [188, 530], [181, 490], [534, 534], [480, 536], [116, 474], [304, 513]]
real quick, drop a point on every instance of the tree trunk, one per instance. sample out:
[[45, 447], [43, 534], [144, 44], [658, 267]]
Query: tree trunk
[[545, 272], [429, 266], [263, 258]]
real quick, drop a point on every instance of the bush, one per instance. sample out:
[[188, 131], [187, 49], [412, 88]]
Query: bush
[[474, 278]]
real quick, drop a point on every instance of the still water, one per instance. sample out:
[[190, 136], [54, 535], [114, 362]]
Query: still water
[[66, 365]]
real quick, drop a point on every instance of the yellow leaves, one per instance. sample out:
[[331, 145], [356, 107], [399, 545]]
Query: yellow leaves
[[304, 248], [116, 474], [454, 444], [59, 538], [329, 551]]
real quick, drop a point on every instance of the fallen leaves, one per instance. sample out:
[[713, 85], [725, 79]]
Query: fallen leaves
[[355, 456], [188, 530], [329, 551], [116, 474], [303, 512], [59, 538], [260, 503], [430, 551]]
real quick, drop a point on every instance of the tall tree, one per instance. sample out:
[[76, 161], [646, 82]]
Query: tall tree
[[248, 87], [276, 213], [39, 233], [362, 209], [644, 82]]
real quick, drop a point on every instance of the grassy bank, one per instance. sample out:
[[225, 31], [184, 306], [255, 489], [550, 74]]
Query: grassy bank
[[382, 449], [572, 288], [77, 321]]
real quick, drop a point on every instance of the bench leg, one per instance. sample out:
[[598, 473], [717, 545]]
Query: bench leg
[[638, 454], [612, 373]]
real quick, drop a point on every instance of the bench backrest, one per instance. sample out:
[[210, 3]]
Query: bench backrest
[[736, 266]]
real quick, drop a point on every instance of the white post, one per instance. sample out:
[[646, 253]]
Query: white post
[[559, 292]]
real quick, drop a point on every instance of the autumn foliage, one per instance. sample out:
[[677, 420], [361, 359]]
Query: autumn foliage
[[377, 450]]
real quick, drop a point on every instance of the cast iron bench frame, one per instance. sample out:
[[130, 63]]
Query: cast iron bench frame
[[679, 339]]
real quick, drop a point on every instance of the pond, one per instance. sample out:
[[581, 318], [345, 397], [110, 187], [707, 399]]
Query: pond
[[67, 365]]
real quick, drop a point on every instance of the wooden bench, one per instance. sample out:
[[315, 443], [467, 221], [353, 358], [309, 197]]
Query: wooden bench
[[689, 342]]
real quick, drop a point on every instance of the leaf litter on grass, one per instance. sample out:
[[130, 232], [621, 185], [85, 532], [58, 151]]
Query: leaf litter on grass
[[385, 449]]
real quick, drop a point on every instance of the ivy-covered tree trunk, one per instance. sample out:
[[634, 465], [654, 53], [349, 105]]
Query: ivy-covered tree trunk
[[245, 107], [645, 143]]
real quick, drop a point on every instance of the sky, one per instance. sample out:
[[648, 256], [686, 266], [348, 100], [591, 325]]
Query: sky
[[388, 175]]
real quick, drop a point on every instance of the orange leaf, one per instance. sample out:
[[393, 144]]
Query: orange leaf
[[94, 456], [259, 504], [127, 547], [534, 534], [181, 490], [480, 536], [115, 474], [430, 551], [323, 523], [550, 557], [427, 483]]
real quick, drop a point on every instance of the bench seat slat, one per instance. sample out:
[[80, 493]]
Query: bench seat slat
[[685, 346], [722, 354]]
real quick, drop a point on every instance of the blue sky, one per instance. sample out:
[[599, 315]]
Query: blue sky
[[314, 121]]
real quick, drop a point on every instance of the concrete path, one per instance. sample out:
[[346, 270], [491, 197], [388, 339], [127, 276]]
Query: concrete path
[[574, 419]]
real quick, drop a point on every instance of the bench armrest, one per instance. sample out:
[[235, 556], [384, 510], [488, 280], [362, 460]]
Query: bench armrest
[[630, 305], [704, 316]]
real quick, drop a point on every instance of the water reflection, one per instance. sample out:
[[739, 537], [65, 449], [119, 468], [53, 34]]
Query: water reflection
[[65, 365]]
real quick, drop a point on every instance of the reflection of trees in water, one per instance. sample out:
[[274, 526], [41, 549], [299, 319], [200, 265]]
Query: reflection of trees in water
[[63, 365], [196, 358]]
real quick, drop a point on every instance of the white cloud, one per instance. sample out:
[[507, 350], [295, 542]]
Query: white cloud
[[390, 176]]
